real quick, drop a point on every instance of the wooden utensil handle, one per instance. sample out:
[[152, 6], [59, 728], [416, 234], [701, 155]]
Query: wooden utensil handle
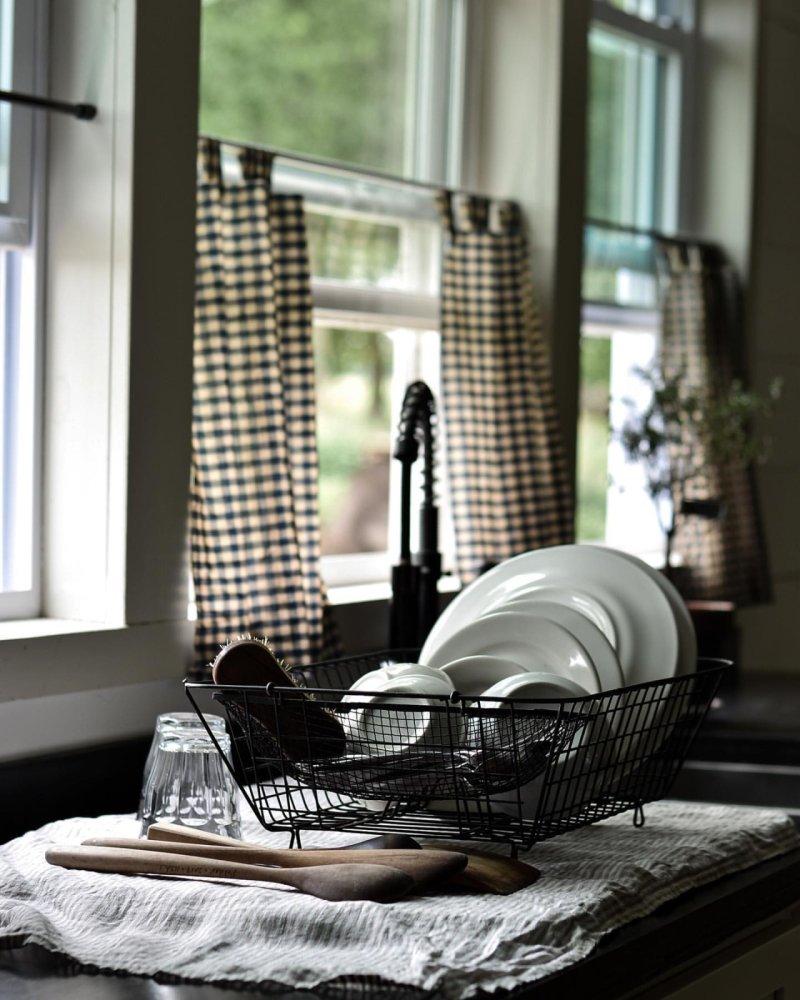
[[293, 857], [131, 861], [380, 883]]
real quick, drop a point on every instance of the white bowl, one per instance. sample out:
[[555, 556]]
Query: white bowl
[[382, 679], [471, 675], [372, 729], [540, 686]]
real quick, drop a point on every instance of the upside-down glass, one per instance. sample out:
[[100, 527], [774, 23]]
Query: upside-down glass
[[187, 781]]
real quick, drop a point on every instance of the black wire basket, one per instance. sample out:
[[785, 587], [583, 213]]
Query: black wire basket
[[451, 767]]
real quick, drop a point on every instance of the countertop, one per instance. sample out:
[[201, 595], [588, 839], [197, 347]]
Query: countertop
[[643, 959], [748, 751]]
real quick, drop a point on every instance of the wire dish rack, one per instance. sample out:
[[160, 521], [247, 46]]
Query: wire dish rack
[[451, 767]]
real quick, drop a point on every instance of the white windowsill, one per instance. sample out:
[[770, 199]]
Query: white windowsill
[[379, 590]]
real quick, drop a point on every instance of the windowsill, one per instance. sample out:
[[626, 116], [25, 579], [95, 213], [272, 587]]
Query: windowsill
[[34, 628], [379, 590], [43, 657]]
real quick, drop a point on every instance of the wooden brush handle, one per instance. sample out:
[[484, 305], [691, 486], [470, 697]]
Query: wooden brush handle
[[379, 883]]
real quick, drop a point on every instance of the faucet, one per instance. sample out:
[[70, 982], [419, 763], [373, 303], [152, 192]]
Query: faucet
[[415, 595]]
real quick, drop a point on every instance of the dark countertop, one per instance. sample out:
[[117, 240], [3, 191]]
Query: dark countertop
[[633, 961], [748, 751]]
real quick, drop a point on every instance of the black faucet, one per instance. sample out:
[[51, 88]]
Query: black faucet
[[415, 594]]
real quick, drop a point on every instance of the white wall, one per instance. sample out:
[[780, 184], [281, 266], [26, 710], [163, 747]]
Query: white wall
[[769, 633], [532, 124], [118, 329]]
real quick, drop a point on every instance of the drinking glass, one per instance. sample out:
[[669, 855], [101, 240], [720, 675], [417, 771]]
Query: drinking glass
[[187, 781]]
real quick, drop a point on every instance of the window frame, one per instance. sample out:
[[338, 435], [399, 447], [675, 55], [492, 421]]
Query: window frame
[[434, 147], [22, 227], [28, 55], [678, 41]]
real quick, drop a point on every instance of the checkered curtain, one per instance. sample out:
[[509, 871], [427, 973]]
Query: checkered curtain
[[510, 491], [726, 558], [254, 515]]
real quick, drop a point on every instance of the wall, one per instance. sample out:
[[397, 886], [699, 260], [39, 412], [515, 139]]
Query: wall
[[115, 642], [769, 633], [531, 122]]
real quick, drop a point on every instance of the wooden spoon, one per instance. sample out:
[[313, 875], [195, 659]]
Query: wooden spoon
[[425, 867], [484, 872], [379, 883]]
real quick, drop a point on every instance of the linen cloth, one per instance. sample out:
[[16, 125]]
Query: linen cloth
[[593, 881]]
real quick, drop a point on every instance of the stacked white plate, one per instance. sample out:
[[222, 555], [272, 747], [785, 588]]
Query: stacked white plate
[[552, 624], [576, 619]]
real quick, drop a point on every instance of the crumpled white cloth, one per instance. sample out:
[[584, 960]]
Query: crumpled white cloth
[[592, 882]]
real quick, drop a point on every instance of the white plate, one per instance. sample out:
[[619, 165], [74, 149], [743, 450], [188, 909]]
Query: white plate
[[471, 675], [595, 643], [647, 635], [687, 637], [568, 597], [537, 644]]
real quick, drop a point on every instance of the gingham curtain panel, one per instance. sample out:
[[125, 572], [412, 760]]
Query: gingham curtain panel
[[254, 499], [508, 482], [726, 558]]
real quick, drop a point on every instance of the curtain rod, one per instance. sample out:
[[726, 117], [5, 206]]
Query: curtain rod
[[83, 111], [350, 169], [654, 234]]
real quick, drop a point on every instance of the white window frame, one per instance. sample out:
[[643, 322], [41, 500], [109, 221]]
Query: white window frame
[[21, 227], [348, 304], [434, 142], [678, 42], [28, 52]]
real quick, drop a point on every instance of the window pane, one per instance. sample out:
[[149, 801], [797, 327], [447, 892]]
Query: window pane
[[6, 58], [626, 130], [348, 248], [16, 422], [354, 371], [313, 76], [613, 504], [593, 438], [663, 11], [619, 268]]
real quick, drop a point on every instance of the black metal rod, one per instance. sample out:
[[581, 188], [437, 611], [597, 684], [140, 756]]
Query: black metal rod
[[83, 111], [346, 169], [653, 234]]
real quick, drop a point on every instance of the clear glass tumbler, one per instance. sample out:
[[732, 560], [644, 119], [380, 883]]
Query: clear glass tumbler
[[188, 781], [168, 722]]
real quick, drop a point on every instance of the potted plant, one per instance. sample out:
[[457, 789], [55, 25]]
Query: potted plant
[[684, 428]]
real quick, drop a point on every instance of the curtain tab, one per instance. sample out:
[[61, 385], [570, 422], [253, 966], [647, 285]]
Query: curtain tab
[[471, 213], [694, 255], [209, 160], [504, 217], [255, 164], [444, 204]]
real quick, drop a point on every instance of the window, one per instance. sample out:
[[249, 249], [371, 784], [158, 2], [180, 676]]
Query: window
[[376, 86], [640, 58], [21, 151]]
